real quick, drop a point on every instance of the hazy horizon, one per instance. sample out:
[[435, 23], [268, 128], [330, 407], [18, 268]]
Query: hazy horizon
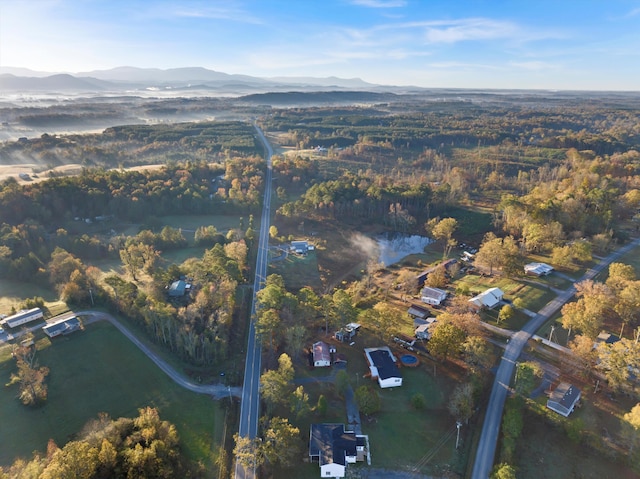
[[588, 45]]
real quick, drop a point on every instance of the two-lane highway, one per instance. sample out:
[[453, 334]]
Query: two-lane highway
[[493, 418], [250, 402]]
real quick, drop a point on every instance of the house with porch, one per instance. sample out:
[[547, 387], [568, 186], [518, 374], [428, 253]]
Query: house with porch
[[333, 447]]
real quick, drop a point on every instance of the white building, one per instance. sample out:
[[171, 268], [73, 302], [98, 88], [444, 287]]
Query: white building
[[489, 299], [433, 296], [383, 367], [321, 355], [564, 399], [333, 448], [22, 317], [538, 269]]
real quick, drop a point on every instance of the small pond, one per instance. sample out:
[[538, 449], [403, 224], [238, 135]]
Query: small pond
[[395, 246]]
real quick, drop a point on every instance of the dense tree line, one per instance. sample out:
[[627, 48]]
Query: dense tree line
[[604, 127], [130, 145]]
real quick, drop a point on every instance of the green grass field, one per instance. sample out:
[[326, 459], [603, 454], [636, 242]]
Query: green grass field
[[99, 370], [298, 271], [12, 293]]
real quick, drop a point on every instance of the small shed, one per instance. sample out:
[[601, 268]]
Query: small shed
[[564, 399], [420, 312]]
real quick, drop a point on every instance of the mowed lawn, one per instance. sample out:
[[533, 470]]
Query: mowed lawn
[[99, 370], [402, 437]]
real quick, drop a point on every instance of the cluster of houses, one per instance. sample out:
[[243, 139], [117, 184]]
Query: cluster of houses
[[52, 329]]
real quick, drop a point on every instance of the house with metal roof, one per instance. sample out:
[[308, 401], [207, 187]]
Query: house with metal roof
[[564, 399], [489, 299], [433, 296], [538, 269], [62, 327]]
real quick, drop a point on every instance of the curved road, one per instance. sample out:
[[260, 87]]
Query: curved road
[[491, 427], [217, 391], [250, 402]]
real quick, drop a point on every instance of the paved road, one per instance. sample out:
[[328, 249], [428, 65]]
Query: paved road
[[250, 402], [490, 429], [217, 391]]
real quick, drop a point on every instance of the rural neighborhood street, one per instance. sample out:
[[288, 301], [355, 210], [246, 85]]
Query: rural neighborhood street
[[250, 402], [491, 428]]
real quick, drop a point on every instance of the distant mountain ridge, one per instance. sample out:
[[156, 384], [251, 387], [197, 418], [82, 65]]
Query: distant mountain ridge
[[117, 79]]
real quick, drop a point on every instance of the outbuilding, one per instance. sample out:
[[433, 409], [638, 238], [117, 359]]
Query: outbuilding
[[564, 399]]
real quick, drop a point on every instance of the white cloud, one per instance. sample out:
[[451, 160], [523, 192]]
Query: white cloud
[[204, 10], [633, 13], [468, 29], [380, 3]]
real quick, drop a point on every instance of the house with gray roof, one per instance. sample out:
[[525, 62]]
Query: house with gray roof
[[564, 399]]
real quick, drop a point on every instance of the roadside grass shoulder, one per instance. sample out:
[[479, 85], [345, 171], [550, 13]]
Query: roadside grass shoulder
[[99, 370]]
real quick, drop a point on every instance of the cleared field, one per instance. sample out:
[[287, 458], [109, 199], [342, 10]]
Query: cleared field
[[538, 454], [297, 271], [98, 370], [12, 293]]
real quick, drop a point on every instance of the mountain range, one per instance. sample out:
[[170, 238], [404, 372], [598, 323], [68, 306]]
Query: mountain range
[[120, 79]]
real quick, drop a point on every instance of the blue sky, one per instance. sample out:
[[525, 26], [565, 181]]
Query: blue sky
[[560, 44]]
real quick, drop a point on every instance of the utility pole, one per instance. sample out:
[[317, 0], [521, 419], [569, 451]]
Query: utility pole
[[553, 328], [458, 425], [91, 294]]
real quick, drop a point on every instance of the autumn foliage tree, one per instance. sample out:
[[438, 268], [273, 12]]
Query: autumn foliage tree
[[30, 377]]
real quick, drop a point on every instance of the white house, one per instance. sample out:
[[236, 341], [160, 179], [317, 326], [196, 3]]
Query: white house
[[321, 355], [538, 269], [433, 296], [563, 399], [22, 317], [383, 367], [300, 247], [334, 447], [62, 327], [489, 299], [423, 331]]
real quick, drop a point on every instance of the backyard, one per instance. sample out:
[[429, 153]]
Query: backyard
[[421, 438], [99, 370]]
